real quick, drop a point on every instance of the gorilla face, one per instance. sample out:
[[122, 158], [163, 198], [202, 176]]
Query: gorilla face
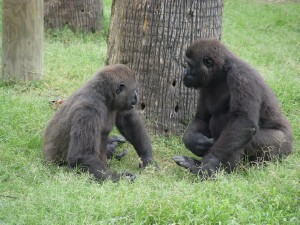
[[197, 72], [126, 96], [188, 74], [205, 61]]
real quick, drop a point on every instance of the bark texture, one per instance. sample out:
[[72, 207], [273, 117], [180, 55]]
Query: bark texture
[[82, 15], [22, 40], [151, 36]]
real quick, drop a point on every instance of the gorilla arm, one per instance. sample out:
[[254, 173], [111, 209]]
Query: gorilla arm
[[228, 149], [196, 137], [242, 124], [132, 128]]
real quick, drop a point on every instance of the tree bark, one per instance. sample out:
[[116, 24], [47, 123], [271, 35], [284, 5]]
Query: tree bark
[[82, 15], [22, 40], [151, 37]]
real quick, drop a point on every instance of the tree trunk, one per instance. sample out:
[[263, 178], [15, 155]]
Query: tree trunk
[[22, 40], [151, 38], [82, 15]]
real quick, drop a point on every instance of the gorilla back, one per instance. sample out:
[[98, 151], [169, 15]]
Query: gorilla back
[[237, 114], [78, 132]]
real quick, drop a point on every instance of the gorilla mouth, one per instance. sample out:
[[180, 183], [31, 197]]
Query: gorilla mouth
[[133, 102], [132, 106], [128, 108], [187, 81]]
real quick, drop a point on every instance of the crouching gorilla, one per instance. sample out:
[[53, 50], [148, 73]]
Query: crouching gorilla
[[78, 132], [237, 115]]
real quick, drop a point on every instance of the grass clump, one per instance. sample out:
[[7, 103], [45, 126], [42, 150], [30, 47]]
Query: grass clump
[[32, 192]]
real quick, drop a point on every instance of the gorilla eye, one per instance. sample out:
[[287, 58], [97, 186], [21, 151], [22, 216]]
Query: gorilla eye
[[120, 88], [208, 62]]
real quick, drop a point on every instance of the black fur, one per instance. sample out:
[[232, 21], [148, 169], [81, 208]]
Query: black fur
[[78, 132], [237, 115], [112, 144]]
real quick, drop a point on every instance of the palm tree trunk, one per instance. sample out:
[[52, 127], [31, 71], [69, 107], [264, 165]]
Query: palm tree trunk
[[151, 38]]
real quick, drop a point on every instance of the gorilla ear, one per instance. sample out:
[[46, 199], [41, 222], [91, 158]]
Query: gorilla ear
[[208, 62], [120, 88]]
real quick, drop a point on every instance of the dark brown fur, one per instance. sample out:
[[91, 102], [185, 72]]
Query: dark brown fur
[[78, 132], [237, 116]]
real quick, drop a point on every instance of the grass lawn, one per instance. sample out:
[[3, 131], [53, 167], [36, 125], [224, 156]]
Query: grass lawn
[[267, 35]]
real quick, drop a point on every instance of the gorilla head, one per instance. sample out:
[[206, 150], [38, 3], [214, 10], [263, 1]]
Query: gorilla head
[[203, 63], [126, 95]]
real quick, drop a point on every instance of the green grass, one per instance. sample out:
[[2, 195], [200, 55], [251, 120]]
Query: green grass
[[33, 192]]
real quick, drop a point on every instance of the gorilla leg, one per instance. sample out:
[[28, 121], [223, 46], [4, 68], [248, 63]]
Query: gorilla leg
[[86, 150], [96, 165], [267, 144], [92, 164], [104, 155]]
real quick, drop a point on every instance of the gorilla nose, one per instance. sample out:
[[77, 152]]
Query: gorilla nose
[[134, 100]]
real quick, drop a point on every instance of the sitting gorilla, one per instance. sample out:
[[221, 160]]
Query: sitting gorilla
[[78, 132], [237, 115]]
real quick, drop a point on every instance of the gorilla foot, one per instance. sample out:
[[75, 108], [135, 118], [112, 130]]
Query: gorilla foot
[[128, 175], [116, 138], [111, 148], [192, 165], [119, 156]]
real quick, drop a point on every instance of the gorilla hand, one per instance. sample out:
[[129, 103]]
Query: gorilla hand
[[210, 165], [197, 143]]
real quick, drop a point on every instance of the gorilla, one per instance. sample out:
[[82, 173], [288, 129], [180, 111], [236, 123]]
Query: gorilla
[[237, 116], [78, 132]]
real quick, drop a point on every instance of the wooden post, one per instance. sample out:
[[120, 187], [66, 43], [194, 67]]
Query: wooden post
[[23, 42]]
